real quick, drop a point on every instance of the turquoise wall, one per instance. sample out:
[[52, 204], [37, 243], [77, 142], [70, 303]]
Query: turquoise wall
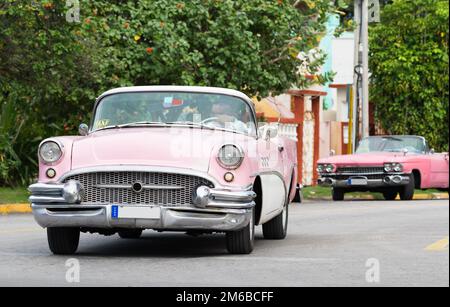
[[326, 45]]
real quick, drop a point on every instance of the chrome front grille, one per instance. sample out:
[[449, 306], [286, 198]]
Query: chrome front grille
[[363, 170], [115, 188]]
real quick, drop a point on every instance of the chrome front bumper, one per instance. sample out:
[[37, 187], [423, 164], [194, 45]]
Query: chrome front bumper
[[213, 209], [388, 181]]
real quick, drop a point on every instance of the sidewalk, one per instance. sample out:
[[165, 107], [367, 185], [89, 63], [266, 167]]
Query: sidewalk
[[26, 208], [417, 196]]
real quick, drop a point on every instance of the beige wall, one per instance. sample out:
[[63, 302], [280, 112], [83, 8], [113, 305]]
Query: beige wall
[[336, 137]]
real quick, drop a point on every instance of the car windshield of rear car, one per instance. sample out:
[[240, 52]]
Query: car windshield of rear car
[[392, 144], [150, 109]]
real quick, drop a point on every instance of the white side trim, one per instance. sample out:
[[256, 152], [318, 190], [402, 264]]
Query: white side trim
[[273, 195]]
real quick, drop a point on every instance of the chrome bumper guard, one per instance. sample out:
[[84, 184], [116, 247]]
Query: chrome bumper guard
[[58, 205], [387, 181]]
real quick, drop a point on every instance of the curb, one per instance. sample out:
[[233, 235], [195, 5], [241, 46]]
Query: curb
[[433, 196], [26, 208], [14, 208]]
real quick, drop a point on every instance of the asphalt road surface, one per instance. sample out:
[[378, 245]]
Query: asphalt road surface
[[358, 243]]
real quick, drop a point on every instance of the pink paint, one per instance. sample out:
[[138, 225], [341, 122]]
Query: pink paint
[[433, 168]]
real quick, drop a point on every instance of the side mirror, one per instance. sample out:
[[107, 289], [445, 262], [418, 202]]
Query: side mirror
[[332, 152], [83, 129], [432, 151], [262, 129], [271, 132], [405, 151]]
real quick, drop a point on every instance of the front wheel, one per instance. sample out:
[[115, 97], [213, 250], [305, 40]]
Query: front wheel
[[276, 228], [407, 192], [63, 241], [338, 194], [242, 241]]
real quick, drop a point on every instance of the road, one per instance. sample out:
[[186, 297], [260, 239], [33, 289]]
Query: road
[[329, 244]]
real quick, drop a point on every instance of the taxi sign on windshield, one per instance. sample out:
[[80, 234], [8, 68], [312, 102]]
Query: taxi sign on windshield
[[170, 102]]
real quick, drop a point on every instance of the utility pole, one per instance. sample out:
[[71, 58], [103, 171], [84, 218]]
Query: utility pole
[[366, 11], [357, 78], [365, 67]]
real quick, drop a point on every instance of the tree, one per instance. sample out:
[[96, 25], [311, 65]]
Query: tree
[[51, 69], [409, 65], [249, 45], [46, 80]]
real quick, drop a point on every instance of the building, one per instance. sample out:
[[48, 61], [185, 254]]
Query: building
[[317, 117]]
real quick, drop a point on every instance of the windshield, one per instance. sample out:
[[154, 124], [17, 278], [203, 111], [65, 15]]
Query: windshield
[[174, 108], [392, 144]]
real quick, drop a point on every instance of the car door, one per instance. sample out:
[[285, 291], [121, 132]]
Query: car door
[[271, 173], [439, 170]]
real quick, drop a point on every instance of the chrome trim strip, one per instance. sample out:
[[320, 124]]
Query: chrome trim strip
[[213, 204], [371, 183], [232, 196], [140, 168], [361, 174], [238, 199], [43, 188], [45, 199], [171, 218], [100, 206], [130, 186]]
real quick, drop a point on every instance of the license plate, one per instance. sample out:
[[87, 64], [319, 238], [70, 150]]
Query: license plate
[[357, 181], [135, 212]]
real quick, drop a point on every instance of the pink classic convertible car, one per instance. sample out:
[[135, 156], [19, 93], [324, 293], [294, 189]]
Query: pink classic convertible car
[[166, 158], [391, 165]]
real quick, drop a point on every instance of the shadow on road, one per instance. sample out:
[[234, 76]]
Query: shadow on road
[[152, 244]]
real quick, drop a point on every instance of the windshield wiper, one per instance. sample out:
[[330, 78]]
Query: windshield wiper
[[132, 125], [162, 124], [143, 123]]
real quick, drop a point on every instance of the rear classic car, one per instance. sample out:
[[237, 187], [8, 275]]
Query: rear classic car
[[166, 158], [392, 165]]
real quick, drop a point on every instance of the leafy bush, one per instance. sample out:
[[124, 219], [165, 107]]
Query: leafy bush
[[51, 70], [409, 65]]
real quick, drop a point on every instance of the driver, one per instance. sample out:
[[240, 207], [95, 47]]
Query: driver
[[223, 115]]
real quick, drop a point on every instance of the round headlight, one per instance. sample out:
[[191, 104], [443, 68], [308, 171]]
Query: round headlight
[[398, 168], [388, 168], [320, 168], [329, 168], [230, 156], [50, 152]]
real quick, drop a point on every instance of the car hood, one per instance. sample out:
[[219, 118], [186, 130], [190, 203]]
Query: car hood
[[165, 147], [377, 158]]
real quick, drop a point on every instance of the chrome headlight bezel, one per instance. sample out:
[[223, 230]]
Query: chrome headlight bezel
[[237, 155], [44, 146], [325, 168], [320, 168], [393, 167]]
